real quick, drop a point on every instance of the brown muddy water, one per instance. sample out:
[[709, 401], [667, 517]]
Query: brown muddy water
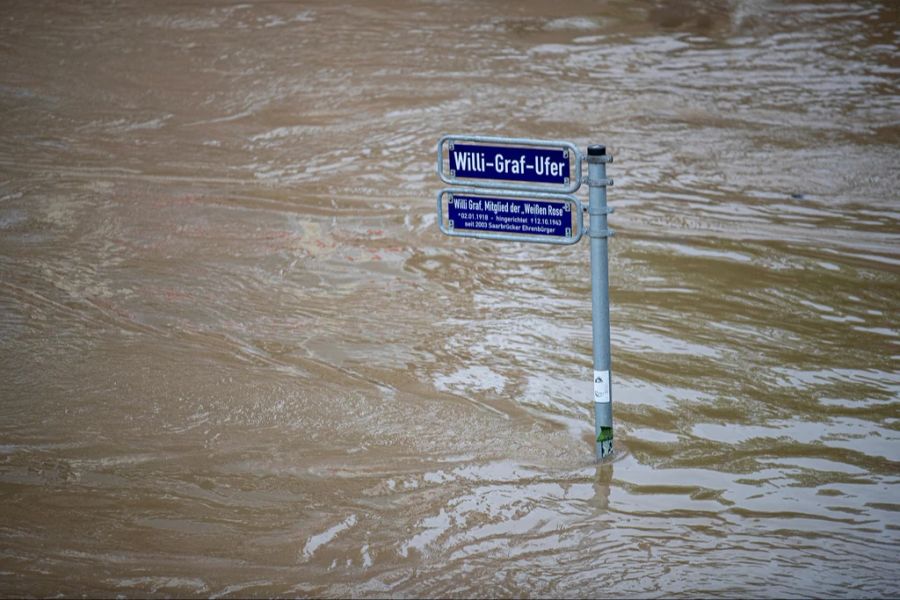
[[239, 358]]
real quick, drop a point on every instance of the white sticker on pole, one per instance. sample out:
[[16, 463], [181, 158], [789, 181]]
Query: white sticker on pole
[[601, 386]]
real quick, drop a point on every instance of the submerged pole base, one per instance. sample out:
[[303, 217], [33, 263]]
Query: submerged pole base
[[604, 443]]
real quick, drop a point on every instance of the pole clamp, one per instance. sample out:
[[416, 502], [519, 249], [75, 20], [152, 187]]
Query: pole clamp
[[607, 210], [598, 182], [603, 233], [602, 158]]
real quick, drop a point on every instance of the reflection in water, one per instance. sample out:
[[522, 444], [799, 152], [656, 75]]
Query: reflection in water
[[240, 359]]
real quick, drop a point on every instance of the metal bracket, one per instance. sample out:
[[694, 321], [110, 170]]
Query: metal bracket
[[603, 233], [599, 182], [604, 158], [603, 211]]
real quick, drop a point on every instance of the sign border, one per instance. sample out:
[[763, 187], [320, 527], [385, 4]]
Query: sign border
[[577, 233], [575, 178]]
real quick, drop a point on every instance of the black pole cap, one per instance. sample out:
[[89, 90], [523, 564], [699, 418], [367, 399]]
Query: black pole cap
[[597, 150]]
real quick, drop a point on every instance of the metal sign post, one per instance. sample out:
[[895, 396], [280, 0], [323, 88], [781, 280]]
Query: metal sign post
[[519, 189], [599, 234]]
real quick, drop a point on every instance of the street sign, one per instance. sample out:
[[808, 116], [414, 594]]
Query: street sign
[[510, 163], [534, 165], [512, 216], [519, 189]]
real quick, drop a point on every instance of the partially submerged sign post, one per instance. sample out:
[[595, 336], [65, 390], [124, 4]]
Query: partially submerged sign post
[[520, 189]]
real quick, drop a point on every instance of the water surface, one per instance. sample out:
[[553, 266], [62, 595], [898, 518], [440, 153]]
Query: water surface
[[239, 358]]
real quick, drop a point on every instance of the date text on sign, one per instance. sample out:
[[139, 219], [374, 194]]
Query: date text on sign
[[552, 219]]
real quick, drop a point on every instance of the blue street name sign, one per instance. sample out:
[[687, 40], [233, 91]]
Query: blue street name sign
[[532, 165], [523, 164], [510, 215]]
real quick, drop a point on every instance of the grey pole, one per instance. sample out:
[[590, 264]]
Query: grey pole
[[599, 234]]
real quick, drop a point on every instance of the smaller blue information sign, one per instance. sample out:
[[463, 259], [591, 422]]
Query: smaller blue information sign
[[509, 215], [534, 165]]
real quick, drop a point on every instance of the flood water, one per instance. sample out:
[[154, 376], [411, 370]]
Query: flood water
[[238, 358]]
